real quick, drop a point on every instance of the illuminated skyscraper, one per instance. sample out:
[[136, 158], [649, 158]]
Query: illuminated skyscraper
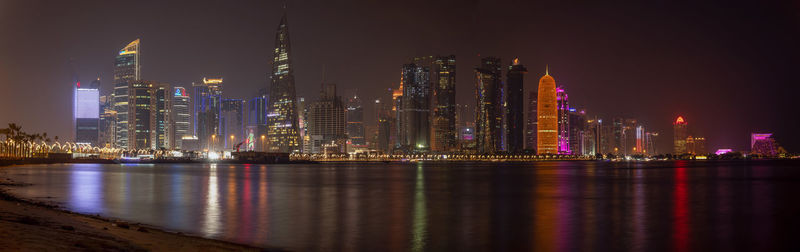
[[182, 117], [530, 124], [696, 145], [149, 115], [516, 107], [547, 109], [577, 129], [444, 94], [326, 122], [162, 103], [126, 69], [562, 101], [283, 131], [679, 136], [489, 107], [355, 122], [415, 116], [207, 108], [763, 144], [87, 112]]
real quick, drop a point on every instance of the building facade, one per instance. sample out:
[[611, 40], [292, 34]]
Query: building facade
[[283, 131], [414, 121], [182, 117], [515, 102], [355, 123], [326, 122], [232, 123], [207, 106], [87, 112], [489, 112], [126, 70], [680, 133], [547, 139], [445, 132]]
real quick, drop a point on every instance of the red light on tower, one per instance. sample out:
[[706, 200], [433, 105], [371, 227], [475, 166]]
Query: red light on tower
[[680, 120], [79, 84]]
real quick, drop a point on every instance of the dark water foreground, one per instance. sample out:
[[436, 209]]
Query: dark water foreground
[[563, 206]]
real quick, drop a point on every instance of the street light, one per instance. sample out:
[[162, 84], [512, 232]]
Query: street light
[[263, 148]]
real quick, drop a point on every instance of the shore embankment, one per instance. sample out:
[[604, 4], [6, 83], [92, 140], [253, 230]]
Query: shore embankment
[[30, 225]]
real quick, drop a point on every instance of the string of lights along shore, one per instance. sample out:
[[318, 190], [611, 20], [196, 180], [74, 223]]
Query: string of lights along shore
[[419, 116]]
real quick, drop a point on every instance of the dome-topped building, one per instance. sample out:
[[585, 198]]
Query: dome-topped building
[[547, 113]]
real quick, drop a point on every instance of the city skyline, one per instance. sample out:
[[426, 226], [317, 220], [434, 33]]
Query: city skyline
[[718, 118]]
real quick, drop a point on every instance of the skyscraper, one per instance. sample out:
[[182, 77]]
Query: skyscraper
[[207, 108], [531, 123], [126, 69], [182, 117], [562, 100], [326, 122], [162, 103], [232, 122], [516, 107], [415, 118], [107, 128], [87, 112], [355, 122], [489, 108], [577, 129], [679, 136], [547, 110], [444, 114], [283, 131], [148, 115]]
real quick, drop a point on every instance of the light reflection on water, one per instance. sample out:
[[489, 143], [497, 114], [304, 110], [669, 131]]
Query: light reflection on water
[[549, 206]]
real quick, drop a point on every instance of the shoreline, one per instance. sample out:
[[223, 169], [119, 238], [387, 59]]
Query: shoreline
[[27, 224]]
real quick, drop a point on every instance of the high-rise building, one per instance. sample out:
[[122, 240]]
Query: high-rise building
[[530, 122], [232, 122], [696, 145], [107, 128], [87, 112], [414, 121], [577, 131], [489, 112], [326, 122], [516, 107], [148, 115], [650, 143], [257, 122], [163, 95], [547, 111], [679, 137], [126, 69], [444, 94], [182, 117], [355, 123], [207, 99], [283, 131], [562, 100]]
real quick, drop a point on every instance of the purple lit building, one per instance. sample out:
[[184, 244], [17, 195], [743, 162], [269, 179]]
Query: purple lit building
[[563, 121]]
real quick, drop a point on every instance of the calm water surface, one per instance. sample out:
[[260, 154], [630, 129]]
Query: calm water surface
[[548, 206]]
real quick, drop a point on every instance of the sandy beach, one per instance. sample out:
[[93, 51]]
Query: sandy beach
[[27, 225]]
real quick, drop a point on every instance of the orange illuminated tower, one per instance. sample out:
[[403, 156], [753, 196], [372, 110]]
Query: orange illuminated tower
[[547, 113]]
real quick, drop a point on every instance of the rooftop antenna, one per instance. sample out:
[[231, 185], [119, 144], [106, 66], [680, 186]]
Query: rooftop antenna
[[546, 69]]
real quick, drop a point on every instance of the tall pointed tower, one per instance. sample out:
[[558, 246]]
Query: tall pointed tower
[[282, 130], [547, 132], [126, 70]]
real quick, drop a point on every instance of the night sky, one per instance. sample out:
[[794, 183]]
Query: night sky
[[729, 68]]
